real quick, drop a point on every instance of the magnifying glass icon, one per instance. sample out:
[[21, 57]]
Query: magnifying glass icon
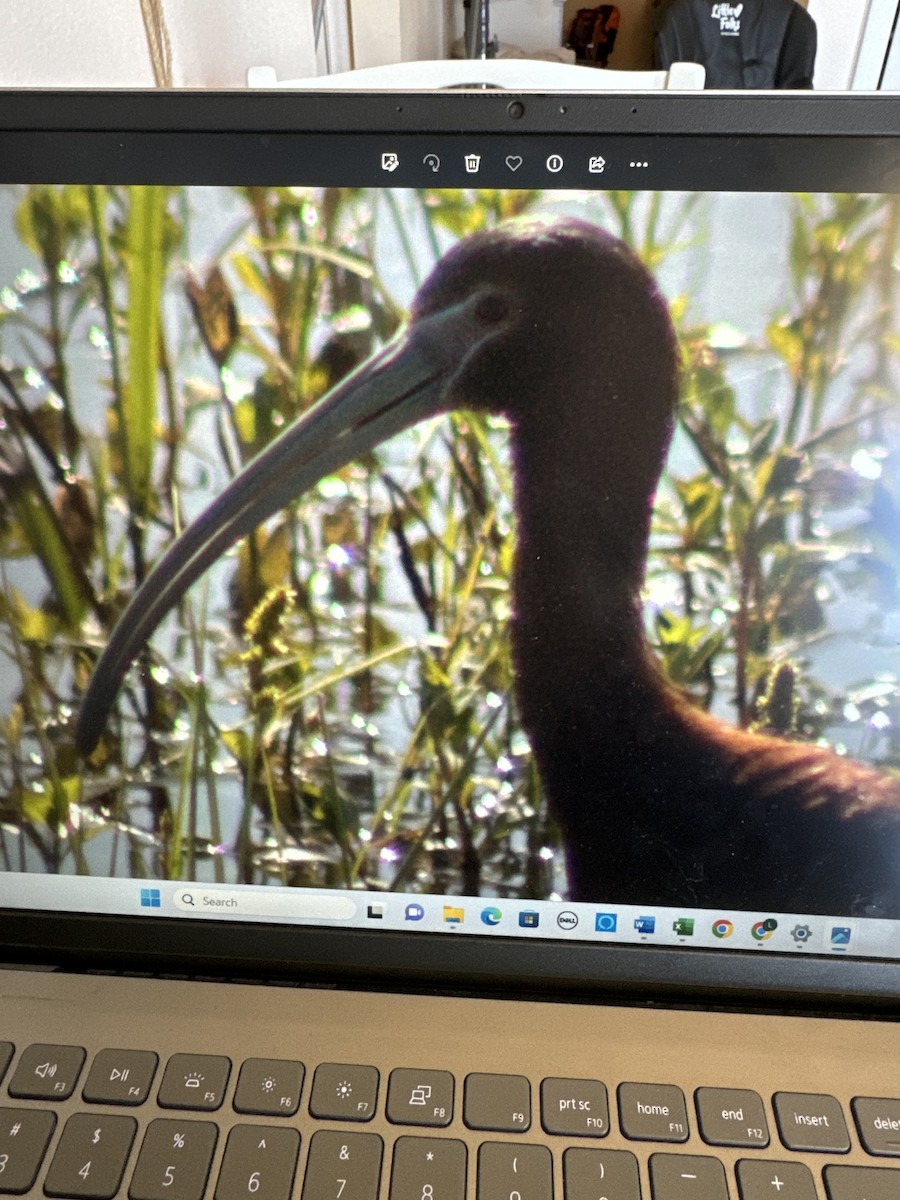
[[187, 898]]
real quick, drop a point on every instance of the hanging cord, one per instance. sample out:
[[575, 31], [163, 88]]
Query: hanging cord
[[158, 41]]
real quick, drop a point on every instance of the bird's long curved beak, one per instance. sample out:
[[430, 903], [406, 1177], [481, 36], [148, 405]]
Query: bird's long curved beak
[[406, 382]]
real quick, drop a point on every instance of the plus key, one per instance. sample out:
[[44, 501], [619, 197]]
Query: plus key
[[760, 1179]]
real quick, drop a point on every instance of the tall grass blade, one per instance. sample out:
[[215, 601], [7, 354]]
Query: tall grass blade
[[146, 260]]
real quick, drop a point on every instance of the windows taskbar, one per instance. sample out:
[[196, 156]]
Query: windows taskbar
[[453, 915]]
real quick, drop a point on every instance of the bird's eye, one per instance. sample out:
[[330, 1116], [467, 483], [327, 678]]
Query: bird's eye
[[492, 308]]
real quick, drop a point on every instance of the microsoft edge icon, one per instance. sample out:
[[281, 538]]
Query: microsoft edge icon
[[491, 916]]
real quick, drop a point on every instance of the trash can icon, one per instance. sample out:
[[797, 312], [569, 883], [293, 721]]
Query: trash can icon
[[473, 162]]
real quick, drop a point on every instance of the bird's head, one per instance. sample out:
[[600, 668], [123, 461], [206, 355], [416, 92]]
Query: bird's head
[[558, 303], [496, 324]]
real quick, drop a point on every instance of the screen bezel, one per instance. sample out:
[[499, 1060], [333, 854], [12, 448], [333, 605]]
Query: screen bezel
[[212, 137]]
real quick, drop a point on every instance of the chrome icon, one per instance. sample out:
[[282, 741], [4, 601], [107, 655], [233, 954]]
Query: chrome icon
[[722, 928], [762, 930]]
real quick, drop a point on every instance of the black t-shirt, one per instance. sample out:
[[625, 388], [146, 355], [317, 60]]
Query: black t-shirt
[[748, 44]]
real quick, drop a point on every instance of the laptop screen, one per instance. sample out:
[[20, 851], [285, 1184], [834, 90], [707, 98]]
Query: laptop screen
[[572, 610]]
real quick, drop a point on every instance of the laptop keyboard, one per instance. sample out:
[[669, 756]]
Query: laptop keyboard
[[115, 1145]]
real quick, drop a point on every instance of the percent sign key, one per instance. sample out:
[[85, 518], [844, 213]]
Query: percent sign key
[[174, 1160]]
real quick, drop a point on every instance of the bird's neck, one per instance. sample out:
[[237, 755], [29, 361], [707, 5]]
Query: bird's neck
[[583, 525]]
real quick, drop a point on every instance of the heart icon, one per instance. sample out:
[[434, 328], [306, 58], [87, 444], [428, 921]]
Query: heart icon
[[514, 161]]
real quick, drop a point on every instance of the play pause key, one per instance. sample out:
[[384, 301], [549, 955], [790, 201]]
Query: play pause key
[[120, 1077]]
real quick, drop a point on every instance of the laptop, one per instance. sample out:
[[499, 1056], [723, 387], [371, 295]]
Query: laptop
[[449, 627]]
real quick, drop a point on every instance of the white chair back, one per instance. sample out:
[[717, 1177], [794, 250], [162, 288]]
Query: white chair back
[[507, 74]]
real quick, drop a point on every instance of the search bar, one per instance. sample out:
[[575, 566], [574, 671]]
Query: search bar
[[232, 902]]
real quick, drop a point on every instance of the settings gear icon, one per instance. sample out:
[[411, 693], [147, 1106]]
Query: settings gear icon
[[801, 934]]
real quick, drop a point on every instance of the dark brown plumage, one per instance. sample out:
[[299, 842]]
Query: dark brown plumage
[[561, 329]]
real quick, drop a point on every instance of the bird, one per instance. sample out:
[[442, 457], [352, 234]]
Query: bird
[[557, 326]]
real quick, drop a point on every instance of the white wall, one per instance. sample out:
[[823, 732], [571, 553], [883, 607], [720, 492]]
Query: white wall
[[839, 25], [532, 25], [101, 43]]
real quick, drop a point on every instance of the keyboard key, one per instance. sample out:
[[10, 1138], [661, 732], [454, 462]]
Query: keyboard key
[[90, 1157], [420, 1097], [47, 1072], [195, 1081], [269, 1086], [878, 1122], [498, 1102], [24, 1136], [343, 1166], [577, 1107], [588, 1174], [259, 1163], [174, 1160], [762, 1180], [344, 1091], [687, 1177], [653, 1112], [861, 1183], [510, 1168], [427, 1168], [731, 1117], [6, 1053], [120, 1077], [807, 1121]]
